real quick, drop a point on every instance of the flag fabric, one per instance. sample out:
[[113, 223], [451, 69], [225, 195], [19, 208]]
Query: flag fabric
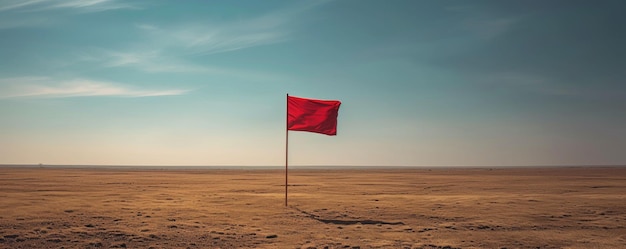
[[312, 115]]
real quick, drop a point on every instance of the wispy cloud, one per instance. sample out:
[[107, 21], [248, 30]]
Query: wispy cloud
[[44, 87], [42, 13], [82, 5], [170, 48], [112, 58], [153, 61], [217, 38], [17, 4], [211, 37], [156, 62]]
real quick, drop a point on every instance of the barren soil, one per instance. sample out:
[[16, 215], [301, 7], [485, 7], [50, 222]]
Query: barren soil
[[568, 207]]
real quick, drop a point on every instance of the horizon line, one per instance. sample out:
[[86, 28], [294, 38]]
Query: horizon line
[[76, 166]]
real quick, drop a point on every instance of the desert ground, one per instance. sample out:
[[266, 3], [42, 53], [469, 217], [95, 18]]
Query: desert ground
[[561, 207]]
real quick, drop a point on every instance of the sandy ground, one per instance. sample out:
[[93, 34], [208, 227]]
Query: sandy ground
[[409, 208]]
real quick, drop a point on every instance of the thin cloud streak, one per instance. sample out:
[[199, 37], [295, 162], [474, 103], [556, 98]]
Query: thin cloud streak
[[203, 40], [83, 5], [43, 87], [41, 13], [213, 38], [9, 5], [148, 61], [153, 61]]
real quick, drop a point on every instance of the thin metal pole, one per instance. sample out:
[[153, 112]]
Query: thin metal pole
[[286, 147]]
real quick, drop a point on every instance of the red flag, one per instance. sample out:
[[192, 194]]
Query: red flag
[[312, 115]]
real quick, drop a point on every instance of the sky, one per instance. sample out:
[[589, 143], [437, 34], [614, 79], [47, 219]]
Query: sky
[[422, 83]]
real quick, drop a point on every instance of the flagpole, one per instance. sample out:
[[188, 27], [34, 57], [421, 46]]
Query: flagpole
[[286, 146]]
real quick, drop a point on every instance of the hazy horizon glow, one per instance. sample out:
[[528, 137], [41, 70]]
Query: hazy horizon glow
[[422, 83]]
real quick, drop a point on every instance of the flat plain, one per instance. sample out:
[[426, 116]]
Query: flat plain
[[552, 207]]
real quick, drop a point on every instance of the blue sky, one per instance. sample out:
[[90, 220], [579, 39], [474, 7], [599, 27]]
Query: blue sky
[[423, 83]]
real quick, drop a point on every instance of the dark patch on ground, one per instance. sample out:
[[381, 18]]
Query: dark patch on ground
[[348, 222]]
